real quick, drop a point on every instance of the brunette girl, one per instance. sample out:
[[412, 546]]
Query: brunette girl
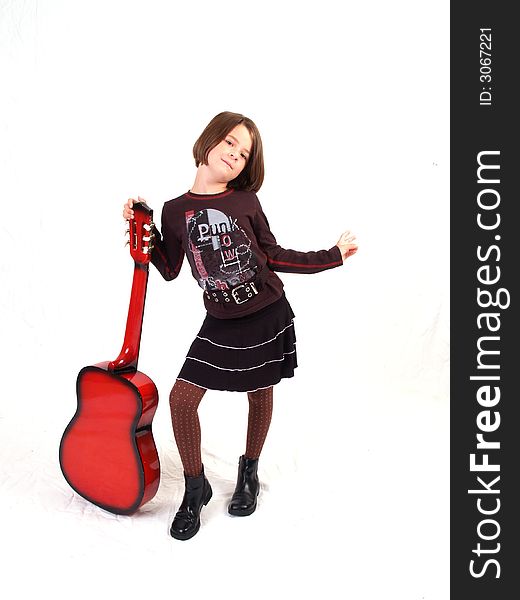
[[247, 341]]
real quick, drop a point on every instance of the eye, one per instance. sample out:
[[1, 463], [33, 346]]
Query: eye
[[228, 142], [244, 156]]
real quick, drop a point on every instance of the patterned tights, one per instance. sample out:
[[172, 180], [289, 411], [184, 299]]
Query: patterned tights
[[184, 403]]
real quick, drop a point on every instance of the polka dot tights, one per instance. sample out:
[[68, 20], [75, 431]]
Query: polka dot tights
[[258, 421], [184, 403]]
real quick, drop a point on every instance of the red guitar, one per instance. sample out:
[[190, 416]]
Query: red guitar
[[107, 452]]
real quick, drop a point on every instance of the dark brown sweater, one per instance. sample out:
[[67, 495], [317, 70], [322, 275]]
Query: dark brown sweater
[[227, 240]]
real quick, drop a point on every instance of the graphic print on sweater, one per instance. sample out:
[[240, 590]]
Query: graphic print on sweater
[[220, 250]]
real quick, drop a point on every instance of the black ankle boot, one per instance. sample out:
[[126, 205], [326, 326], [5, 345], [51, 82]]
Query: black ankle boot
[[187, 520], [243, 502]]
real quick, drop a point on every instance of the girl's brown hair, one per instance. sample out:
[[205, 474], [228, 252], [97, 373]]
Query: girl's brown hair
[[252, 175]]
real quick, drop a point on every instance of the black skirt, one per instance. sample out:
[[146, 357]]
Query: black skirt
[[243, 354]]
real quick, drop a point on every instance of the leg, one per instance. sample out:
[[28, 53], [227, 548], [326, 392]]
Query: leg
[[243, 502], [259, 419], [184, 402]]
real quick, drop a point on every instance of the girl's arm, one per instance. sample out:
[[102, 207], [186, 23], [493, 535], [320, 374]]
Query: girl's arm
[[167, 252], [292, 261]]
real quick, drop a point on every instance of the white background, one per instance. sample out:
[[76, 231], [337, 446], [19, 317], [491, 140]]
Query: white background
[[103, 100]]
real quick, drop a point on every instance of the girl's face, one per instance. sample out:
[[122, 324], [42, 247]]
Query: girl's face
[[229, 157]]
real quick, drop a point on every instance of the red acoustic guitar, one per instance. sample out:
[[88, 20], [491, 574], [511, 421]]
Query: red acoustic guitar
[[107, 452]]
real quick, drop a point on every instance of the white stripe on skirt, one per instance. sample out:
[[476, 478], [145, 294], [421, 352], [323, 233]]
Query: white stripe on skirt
[[246, 347], [248, 368]]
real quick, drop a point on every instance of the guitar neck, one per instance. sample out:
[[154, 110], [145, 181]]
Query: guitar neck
[[127, 359]]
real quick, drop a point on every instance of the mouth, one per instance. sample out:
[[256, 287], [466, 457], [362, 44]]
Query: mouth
[[227, 164]]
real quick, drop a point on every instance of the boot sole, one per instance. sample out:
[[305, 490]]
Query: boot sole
[[242, 513], [184, 536], [237, 512]]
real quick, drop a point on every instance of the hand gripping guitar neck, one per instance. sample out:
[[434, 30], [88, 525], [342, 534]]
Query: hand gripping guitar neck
[[141, 236], [107, 452]]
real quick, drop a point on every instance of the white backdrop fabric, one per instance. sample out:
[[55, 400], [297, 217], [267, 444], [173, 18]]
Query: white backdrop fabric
[[102, 101]]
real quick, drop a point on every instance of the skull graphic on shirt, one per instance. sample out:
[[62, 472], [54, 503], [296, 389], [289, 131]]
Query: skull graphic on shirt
[[220, 250]]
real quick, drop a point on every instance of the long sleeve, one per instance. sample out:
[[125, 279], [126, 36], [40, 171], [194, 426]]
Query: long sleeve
[[167, 253], [292, 261]]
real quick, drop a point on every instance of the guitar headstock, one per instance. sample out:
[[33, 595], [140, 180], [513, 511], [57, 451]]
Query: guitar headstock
[[140, 232]]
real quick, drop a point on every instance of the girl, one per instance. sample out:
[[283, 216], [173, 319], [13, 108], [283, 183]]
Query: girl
[[247, 340]]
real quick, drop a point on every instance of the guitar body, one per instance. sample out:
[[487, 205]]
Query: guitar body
[[107, 453]]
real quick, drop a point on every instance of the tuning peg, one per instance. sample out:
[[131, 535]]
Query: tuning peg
[[127, 242], [145, 250], [146, 227]]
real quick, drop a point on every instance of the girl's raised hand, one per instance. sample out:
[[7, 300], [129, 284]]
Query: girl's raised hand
[[128, 213], [346, 244]]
